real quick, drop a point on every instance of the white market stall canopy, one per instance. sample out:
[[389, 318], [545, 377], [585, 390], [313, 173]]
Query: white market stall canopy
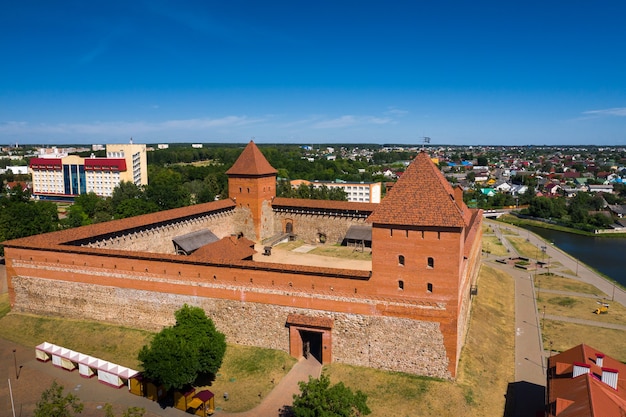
[[108, 373]]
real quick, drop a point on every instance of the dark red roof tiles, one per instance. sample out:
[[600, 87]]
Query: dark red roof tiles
[[251, 162], [323, 204], [115, 226], [227, 249], [421, 197], [586, 394]]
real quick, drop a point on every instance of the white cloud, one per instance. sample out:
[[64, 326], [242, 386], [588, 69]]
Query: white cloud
[[396, 112], [123, 128], [615, 111], [350, 120]]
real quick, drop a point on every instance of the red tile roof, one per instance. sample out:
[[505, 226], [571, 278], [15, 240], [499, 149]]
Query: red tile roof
[[251, 162], [53, 239], [105, 164], [227, 249], [323, 204], [586, 394], [422, 197]]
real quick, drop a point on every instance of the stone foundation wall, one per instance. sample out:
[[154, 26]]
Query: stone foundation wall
[[374, 341]]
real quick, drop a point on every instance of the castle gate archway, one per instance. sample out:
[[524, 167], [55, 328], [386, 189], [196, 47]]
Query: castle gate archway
[[310, 335]]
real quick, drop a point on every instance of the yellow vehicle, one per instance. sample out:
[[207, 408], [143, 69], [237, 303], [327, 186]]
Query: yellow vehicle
[[602, 309]]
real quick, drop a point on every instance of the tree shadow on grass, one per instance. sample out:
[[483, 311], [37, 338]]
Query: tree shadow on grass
[[524, 399]]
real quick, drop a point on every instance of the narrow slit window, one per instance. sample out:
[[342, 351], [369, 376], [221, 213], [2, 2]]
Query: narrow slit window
[[401, 260], [400, 285], [429, 287], [431, 263]]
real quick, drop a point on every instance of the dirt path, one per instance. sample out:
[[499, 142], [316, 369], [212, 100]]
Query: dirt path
[[295, 257]]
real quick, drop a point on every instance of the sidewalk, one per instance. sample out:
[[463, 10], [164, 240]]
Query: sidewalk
[[280, 398]]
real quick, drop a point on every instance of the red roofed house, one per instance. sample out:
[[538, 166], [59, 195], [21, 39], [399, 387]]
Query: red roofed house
[[583, 381], [406, 311]]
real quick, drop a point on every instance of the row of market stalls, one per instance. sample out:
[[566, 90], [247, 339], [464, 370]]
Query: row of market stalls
[[88, 366], [197, 401]]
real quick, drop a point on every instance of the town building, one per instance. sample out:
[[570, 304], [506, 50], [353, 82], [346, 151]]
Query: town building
[[407, 310], [364, 192], [58, 176], [583, 381]]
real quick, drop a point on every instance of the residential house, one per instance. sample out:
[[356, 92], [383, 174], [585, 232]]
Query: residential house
[[583, 381]]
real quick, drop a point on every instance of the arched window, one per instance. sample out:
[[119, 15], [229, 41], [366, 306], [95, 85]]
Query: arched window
[[400, 285], [401, 260], [431, 263]]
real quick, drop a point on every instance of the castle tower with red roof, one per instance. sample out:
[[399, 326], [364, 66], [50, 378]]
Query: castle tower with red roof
[[419, 250], [252, 184]]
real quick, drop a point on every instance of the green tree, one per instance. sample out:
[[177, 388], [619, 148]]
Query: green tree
[[126, 191], [179, 355], [76, 217], [166, 190], [88, 202], [318, 398], [482, 161], [54, 404]]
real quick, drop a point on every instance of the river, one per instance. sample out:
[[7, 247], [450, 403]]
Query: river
[[607, 255]]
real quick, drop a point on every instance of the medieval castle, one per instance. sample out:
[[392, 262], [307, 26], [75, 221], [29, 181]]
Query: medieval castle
[[409, 312]]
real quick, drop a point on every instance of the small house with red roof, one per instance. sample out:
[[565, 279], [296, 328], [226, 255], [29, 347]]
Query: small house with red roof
[[583, 381]]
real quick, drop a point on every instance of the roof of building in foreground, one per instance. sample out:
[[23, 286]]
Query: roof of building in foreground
[[583, 381], [251, 162], [422, 197]]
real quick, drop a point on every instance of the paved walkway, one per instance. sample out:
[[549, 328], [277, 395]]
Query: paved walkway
[[586, 322], [571, 293], [529, 351], [279, 400]]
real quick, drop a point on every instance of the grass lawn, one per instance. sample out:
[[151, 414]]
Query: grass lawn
[[491, 244], [246, 372], [345, 252], [580, 308], [527, 249], [557, 282], [483, 374], [567, 335]]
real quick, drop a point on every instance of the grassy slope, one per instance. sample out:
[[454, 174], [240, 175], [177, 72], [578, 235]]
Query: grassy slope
[[484, 372], [479, 390]]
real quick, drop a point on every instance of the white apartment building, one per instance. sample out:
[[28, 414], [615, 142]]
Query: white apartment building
[[65, 177], [362, 192]]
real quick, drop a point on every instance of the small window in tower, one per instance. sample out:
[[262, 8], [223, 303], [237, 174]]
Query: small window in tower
[[431, 263], [391, 231], [248, 190], [438, 235], [429, 287], [400, 285], [401, 260], [239, 189], [407, 233], [422, 234]]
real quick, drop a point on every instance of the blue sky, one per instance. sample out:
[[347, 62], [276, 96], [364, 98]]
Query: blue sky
[[460, 72]]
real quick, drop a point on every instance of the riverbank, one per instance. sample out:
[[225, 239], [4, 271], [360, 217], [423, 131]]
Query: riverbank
[[581, 270], [522, 222]]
